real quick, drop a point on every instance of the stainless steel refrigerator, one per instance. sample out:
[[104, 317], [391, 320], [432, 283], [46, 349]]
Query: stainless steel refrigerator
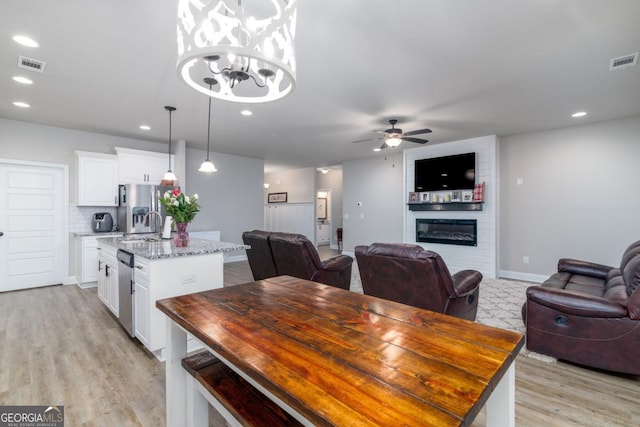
[[136, 201]]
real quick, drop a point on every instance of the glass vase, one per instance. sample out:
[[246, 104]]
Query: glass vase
[[181, 238]]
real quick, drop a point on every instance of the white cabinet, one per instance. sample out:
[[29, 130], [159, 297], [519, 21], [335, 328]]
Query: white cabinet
[[108, 277], [164, 278], [142, 167], [324, 234], [97, 179], [86, 260], [141, 300]]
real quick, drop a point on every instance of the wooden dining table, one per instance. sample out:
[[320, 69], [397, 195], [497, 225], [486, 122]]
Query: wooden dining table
[[332, 357]]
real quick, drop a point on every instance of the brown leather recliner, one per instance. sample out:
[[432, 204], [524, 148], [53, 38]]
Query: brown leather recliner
[[259, 256], [411, 275], [295, 255], [588, 313]]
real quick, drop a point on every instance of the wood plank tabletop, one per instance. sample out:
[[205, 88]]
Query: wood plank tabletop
[[343, 358]]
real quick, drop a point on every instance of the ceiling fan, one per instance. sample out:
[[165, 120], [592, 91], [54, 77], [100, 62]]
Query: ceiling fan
[[394, 136]]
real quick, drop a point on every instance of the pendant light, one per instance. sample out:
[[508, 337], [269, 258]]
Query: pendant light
[[169, 177], [207, 165], [248, 47]]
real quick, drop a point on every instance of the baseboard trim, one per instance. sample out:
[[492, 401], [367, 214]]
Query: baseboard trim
[[526, 277], [88, 285], [70, 280]]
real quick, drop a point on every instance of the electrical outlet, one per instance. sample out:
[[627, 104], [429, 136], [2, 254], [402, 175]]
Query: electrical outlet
[[525, 259]]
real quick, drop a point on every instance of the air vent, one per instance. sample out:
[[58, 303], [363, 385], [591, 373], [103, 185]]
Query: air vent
[[31, 64], [624, 61]]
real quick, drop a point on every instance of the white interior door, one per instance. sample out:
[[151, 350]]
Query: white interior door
[[33, 247]]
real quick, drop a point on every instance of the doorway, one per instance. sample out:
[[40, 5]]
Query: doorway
[[34, 244], [323, 217]]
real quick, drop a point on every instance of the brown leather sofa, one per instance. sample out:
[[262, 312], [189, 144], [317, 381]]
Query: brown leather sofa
[[294, 255], [588, 313], [411, 275]]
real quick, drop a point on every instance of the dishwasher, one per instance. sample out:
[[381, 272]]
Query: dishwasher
[[125, 291]]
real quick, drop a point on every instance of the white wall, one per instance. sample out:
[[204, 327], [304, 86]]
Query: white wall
[[377, 184], [482, 257], [299, 184], [28, 141], [579, 197], [231, 198]]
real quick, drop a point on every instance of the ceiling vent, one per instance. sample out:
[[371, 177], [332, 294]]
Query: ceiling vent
[[624, 61], [31, 64]]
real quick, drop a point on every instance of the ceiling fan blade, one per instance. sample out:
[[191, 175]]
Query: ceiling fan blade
[[417, 140], [417, 132], [384, 145], [364, 140]]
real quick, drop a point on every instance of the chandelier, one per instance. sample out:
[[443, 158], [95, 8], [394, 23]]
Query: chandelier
[[248, 49]]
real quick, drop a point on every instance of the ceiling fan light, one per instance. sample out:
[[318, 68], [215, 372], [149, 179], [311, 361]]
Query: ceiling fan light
[[393, 142], [207, 166]]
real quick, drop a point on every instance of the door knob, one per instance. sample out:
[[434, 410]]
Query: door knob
[[1, 234]]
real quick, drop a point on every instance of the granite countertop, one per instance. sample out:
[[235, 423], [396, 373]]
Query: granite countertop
[[94, 234], [153, 250]]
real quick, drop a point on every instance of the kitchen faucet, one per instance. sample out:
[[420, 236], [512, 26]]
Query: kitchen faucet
[[145, 220]]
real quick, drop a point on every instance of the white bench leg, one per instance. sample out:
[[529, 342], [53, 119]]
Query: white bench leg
[[176, 376], [501, 405], [197, 405]]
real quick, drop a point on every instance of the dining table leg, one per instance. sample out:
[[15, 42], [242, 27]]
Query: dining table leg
[[501, 405], [175, 376]]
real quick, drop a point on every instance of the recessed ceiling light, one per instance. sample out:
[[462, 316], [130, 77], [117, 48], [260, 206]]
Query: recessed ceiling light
[[21, 104], [145, 127], [22, 80], [25, 41], [246, 113], [579, 114]]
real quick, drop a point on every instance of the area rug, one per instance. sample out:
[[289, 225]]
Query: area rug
[[500, 306]]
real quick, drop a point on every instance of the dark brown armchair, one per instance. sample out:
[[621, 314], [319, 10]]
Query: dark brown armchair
[[588, 313], [278, 254], [411, 275], [295, 255], [259, 256]]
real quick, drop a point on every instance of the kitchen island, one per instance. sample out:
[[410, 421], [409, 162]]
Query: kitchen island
[[161, 270]]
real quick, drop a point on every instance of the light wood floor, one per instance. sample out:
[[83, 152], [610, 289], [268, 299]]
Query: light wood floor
[[59, 345]]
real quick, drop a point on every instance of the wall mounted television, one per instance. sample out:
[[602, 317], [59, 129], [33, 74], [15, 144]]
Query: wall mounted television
[[455, 172]]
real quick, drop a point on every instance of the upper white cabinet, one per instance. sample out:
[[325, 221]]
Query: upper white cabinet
[[142, 167], [97, 179]]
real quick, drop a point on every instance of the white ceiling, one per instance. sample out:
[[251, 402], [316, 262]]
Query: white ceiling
[[463, 68]]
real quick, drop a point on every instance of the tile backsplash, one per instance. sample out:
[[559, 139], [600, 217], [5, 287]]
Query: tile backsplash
[[80, 217]]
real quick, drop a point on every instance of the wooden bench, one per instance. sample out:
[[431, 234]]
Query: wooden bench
[[243, 402]]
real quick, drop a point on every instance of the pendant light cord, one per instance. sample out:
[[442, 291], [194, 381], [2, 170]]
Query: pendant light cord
[[209, 126], [170, 110]]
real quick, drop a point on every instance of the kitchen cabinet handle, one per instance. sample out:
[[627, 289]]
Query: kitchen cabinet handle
[[106, 270], [99, 265], [139, 267]]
